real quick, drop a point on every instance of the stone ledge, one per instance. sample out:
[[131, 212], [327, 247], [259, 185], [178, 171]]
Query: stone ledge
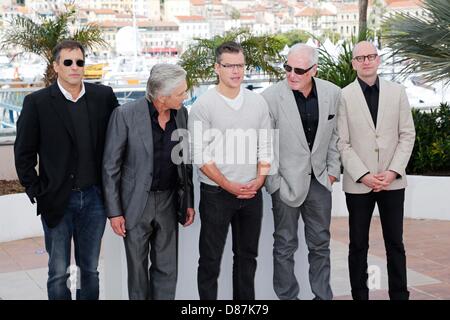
[[6, 138]]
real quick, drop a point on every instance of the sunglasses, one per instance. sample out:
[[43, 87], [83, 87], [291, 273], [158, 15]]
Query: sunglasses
[[298, 71], [68, 63]]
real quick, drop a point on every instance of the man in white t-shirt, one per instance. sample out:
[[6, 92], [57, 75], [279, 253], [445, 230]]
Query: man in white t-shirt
[[230, 129]]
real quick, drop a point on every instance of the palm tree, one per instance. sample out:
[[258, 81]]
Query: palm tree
[[261, 53], [41, 37], [337, 70], [362, 4], [423, 42]]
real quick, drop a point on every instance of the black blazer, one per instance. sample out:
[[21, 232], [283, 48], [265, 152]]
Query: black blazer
[[185, 190], [45, 129]]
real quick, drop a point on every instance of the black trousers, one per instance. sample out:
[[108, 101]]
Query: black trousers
[[360, 208], [219, 209]]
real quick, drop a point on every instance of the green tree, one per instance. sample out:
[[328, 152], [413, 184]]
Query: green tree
[[292, 37], [261, 53], [423, 43], [235, 14], [431, 153], [41, 37]]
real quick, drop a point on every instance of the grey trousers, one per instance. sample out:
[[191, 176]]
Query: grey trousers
[[156, 233], [316, 214]]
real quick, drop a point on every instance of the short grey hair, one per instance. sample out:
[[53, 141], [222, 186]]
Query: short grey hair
[[163, 79], [302, 47]]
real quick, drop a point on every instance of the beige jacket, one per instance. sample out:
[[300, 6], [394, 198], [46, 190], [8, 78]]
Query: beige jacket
[[363, 147]]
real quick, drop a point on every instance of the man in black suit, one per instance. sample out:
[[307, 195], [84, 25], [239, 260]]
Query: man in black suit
[[65, 125]]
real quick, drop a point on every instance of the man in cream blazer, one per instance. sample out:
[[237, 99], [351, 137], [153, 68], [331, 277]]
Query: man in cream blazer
[[376, 138], [303, 110]]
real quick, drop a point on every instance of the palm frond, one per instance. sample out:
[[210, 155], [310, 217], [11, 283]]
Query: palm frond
[[337, 70], [41, 37], [91, 36], [22, 33], [261, 53], [423, 43]]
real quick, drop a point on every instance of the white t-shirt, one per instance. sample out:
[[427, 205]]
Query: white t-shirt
[[235, 103]]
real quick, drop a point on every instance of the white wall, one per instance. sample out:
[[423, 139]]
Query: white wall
[[7, 167], [115, 269], [426, 198], [18, 218]]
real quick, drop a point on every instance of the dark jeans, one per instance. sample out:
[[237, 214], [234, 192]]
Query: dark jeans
[[360, 208], [218, 209], [84, 219]]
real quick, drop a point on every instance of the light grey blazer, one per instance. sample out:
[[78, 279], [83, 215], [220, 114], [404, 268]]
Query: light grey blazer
[[294, 161], [128, 163]]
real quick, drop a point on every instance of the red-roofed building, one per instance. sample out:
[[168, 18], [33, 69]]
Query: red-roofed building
[[347, 19], [198, 7], [207, 8], [174, 8], [315, 20], [193, 27], [190, 18], [240, 4], [410, 7], [147, 8]]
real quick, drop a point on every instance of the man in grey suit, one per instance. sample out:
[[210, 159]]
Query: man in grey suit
[[148, 183], [303, 109]]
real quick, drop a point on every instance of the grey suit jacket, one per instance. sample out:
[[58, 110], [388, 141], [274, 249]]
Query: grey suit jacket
[[294, 161], [365, 148], [128, 163]]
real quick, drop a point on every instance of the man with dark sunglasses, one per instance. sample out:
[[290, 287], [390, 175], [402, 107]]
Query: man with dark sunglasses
[[65, 125], [303, 109], [69, 62], [376, 138]]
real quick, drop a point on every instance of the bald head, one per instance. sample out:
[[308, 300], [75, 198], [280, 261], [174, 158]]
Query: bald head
[[366, 61], [361, 48]]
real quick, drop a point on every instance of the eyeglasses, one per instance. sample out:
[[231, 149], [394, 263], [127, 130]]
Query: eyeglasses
[[298, 71], [232, 66], [68, 63], [370, 57]]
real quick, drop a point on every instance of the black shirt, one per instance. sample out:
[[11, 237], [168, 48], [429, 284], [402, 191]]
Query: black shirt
[[308, 107], [86, 172], [372, 94], [164, 170]]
